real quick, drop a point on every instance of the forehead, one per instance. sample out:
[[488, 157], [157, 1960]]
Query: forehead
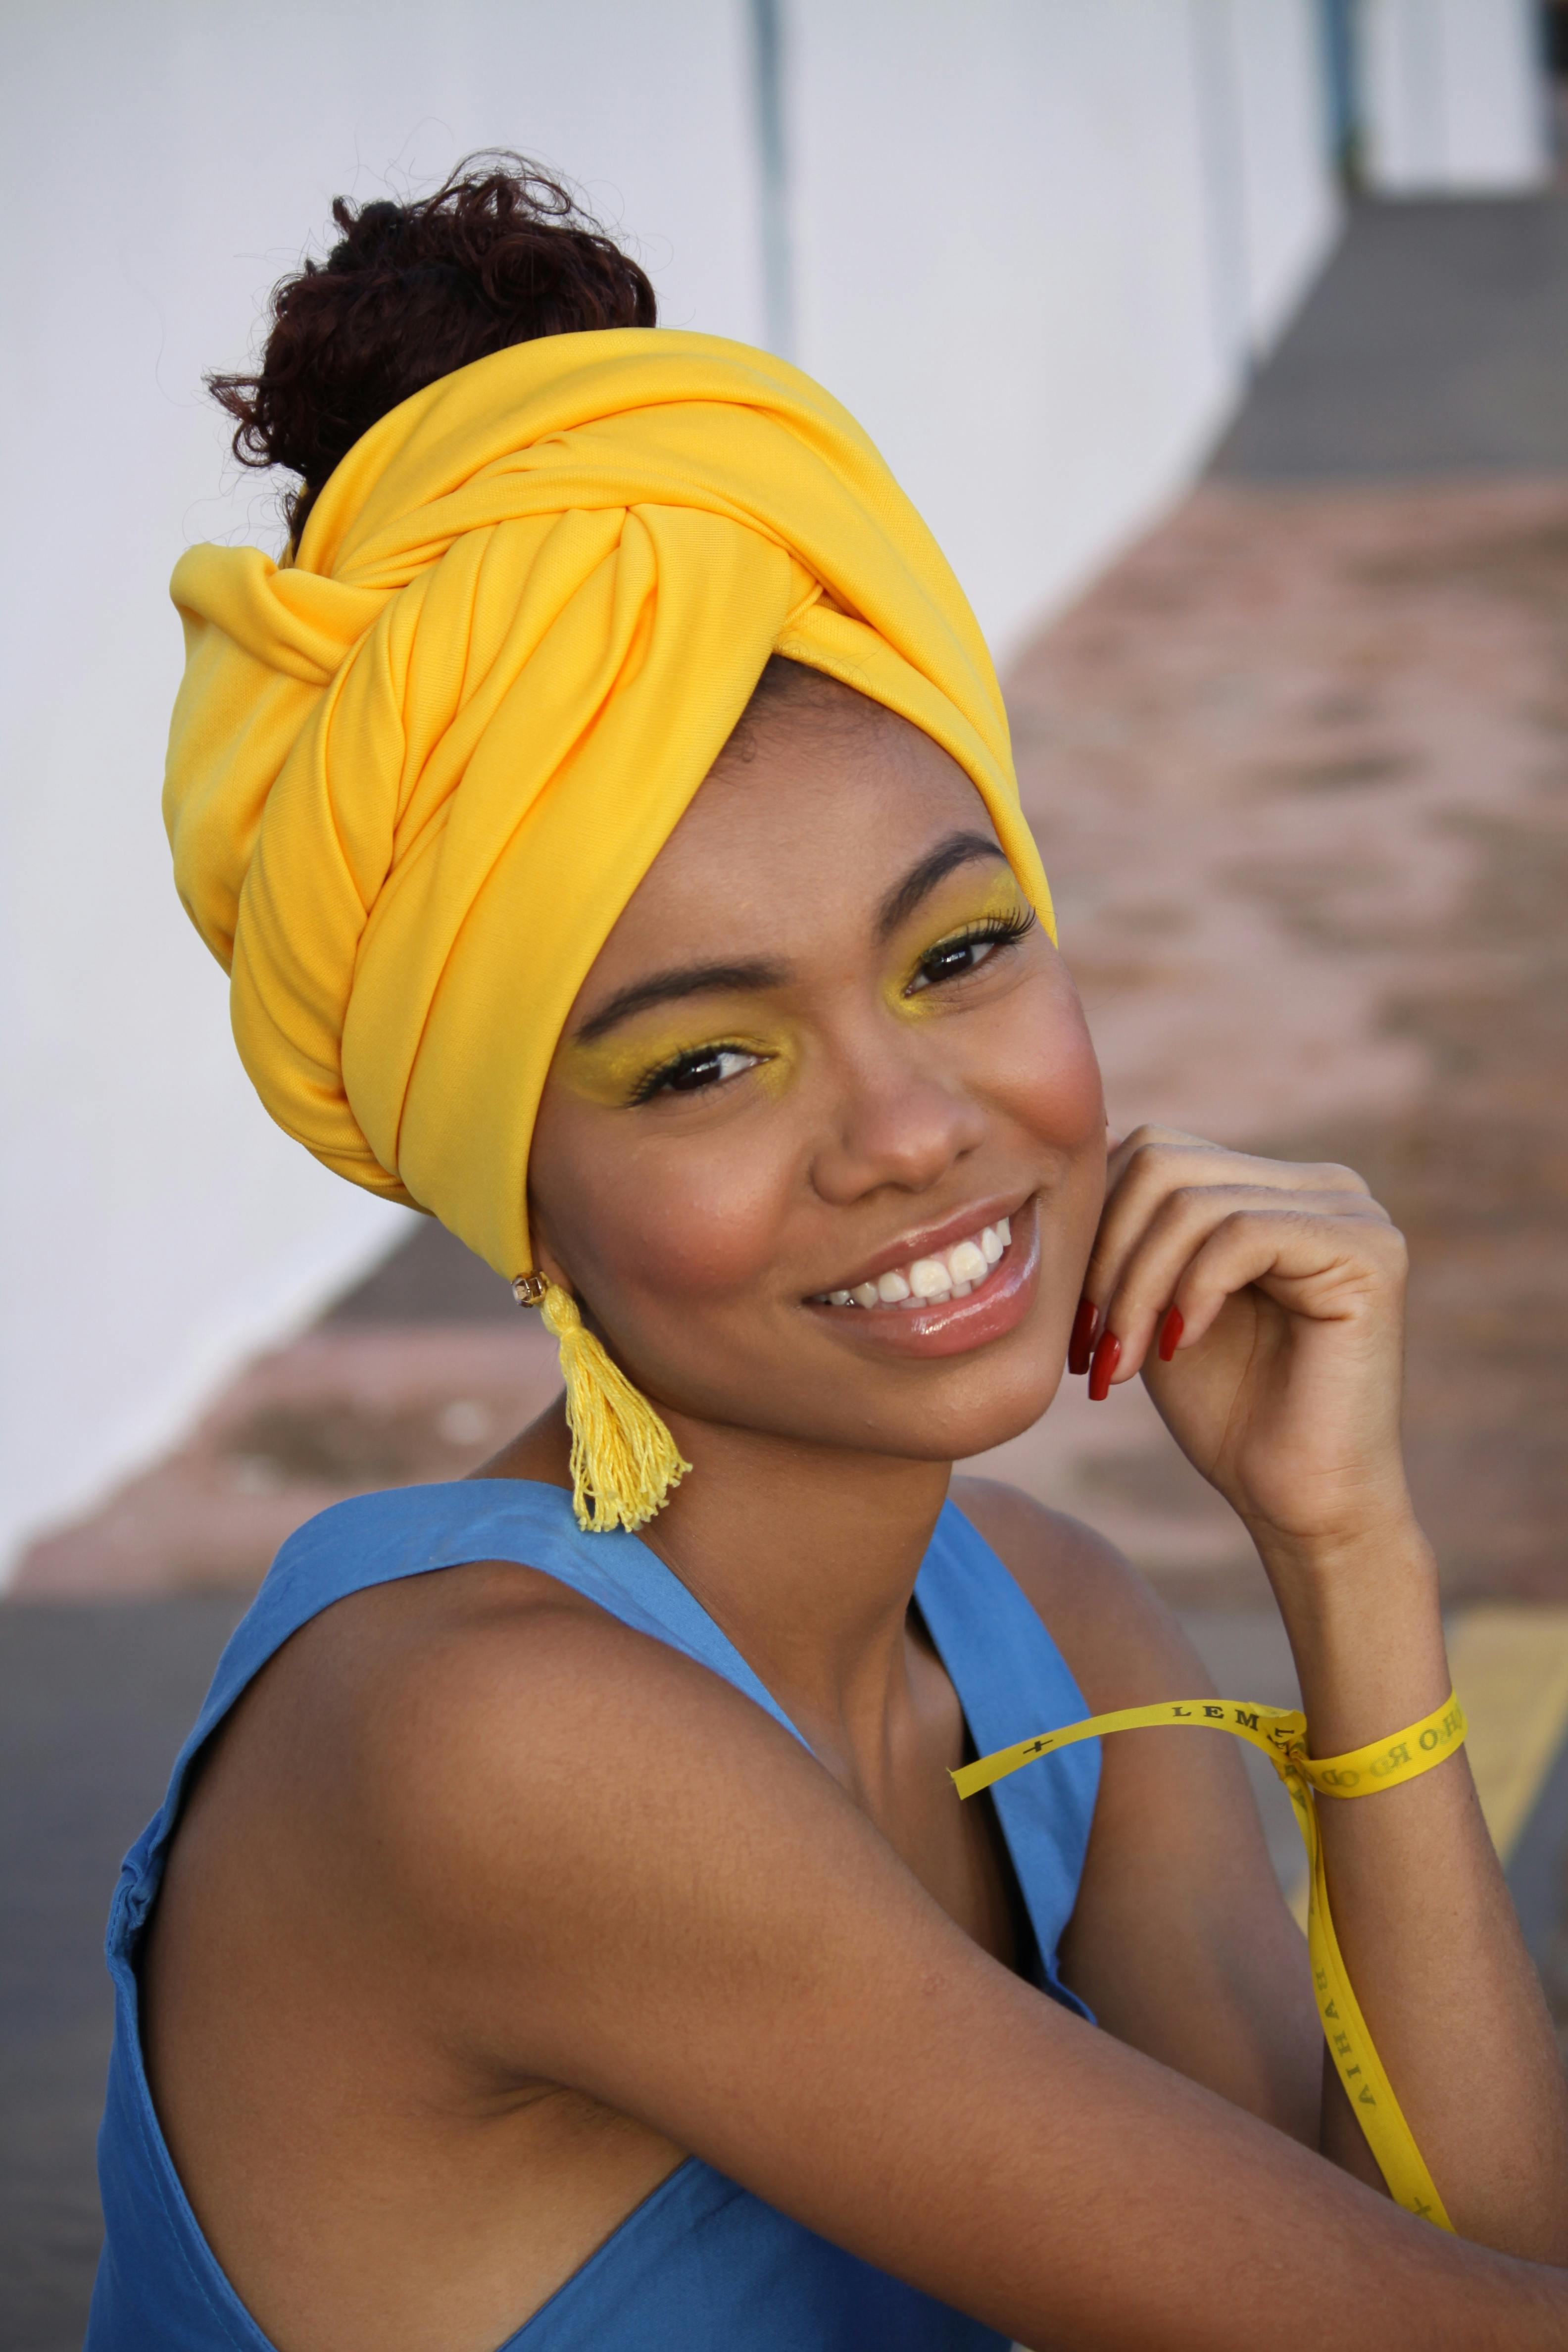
[[803, 828]]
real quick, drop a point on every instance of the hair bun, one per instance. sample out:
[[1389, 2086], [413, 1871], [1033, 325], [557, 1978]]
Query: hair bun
[[501, 253], [373, 234]]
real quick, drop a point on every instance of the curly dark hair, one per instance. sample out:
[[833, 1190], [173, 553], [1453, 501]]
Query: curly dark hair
[[500, 254]]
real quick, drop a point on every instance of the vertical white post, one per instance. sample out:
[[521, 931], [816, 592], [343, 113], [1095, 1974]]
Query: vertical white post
[[768, 68], [1223, 162], [1454, 97]]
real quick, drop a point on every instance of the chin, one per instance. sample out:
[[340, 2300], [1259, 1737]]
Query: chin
[[967, 1411], [955, 1434]]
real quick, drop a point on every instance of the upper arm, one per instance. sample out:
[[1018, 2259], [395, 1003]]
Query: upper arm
[[621, 1875], [1181, 1941]]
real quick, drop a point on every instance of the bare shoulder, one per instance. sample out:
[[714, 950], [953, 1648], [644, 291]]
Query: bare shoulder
[[1125, 1646], [481, 1782], [485, 1707]]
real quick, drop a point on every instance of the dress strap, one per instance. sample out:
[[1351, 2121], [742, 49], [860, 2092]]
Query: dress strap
[[1012, 1681]]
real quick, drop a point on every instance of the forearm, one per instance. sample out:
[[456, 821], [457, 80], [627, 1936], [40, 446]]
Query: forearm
[[1422, 1913]]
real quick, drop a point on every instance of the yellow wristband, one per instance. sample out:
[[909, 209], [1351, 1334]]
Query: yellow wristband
[[1281, 1733], [1383, 1763]]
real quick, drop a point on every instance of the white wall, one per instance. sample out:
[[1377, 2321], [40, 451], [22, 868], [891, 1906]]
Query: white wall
[[1452, 97], [168, 160], [1033, 240], [1289, 209], [1037, 244]]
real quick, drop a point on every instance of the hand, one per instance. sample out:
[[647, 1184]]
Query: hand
[[1283, 1383]]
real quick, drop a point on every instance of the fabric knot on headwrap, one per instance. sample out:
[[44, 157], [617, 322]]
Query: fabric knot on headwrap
[[415, 773]]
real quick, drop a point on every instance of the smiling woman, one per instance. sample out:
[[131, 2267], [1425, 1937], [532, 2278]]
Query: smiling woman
[[878, 1062], [559, 1936]]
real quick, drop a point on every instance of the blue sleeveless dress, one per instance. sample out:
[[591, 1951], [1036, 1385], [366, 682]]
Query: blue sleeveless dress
[[701, 2265]]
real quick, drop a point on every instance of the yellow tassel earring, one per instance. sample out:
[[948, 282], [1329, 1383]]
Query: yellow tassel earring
[[623, 1460]]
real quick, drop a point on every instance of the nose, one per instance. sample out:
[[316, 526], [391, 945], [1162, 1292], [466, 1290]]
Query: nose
[[898, 1121]]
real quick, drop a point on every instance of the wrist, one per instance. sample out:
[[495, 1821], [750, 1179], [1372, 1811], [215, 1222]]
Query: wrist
[[1325, 1562], [1363, 1614]]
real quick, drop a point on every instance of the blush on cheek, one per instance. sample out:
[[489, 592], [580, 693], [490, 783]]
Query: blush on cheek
[[707, 1243], [687, 1223], [1045, 1070], [1073, 1091]]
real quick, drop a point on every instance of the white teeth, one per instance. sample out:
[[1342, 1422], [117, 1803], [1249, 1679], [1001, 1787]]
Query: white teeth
[[929, 1278], [967, 1262]]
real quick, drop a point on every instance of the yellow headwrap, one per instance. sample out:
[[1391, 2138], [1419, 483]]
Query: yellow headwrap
[[415, 774]]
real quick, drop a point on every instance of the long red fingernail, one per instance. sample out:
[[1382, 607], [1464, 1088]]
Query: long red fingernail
[[1171, 1336], [1107, 1355], [1081, 1347]]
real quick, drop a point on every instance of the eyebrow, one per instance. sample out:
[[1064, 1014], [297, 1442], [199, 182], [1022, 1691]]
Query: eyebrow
[[685, 980], [958, 849], [714, 979]]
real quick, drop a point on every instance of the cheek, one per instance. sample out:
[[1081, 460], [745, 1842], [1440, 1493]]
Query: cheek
[[695, 1217], [1072, 1091], [1045, 1069]]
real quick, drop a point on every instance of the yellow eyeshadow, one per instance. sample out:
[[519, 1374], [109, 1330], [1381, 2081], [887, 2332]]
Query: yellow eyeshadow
[[610, 1071], [1004, 896], [1003, 901]]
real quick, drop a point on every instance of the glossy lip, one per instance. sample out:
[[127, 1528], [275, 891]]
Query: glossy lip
[[953, 1327], [925, 1241]]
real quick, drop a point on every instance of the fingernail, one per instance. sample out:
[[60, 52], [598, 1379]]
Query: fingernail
[[1171, 1336], [1107, 1355], [1081, 1347]]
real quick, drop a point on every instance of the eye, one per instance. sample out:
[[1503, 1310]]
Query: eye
[[693, 1072], [966, 950]]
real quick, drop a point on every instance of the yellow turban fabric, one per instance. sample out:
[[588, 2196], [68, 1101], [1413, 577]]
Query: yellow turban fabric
[[415, 773]]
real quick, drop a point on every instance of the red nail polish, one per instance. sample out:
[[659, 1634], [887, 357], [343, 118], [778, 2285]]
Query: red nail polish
[[1107, 1355], [1171, 1337], [1081, 1347]]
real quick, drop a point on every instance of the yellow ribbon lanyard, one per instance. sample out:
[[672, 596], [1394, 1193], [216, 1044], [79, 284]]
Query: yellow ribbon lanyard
[[1282, 1734]]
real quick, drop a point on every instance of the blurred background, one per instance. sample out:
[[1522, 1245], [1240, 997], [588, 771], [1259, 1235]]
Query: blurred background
[[1224, 345]]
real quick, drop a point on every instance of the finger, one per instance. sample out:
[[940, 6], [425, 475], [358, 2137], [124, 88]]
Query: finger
[[1315, 1232], [1154, 1159], [1120, 1149], [1153, 1169], [1157, 1228], [1144, 1168], [1323, 1269]]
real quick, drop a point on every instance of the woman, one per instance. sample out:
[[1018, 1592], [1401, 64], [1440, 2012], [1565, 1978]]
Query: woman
[[558, 1935]]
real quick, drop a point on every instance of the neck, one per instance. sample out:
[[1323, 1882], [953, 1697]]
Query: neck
[[804, 1556]]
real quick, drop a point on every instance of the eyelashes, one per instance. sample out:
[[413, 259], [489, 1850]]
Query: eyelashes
[[695, 1071], [955, 957]]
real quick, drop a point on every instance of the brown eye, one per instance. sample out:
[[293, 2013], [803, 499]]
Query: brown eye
[[693, 1072], [956, 958], [704, 1069]]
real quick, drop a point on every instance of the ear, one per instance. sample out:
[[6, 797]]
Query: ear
[[545, 1261]]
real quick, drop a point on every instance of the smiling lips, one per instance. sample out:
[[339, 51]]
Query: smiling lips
[[950, 1273]]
